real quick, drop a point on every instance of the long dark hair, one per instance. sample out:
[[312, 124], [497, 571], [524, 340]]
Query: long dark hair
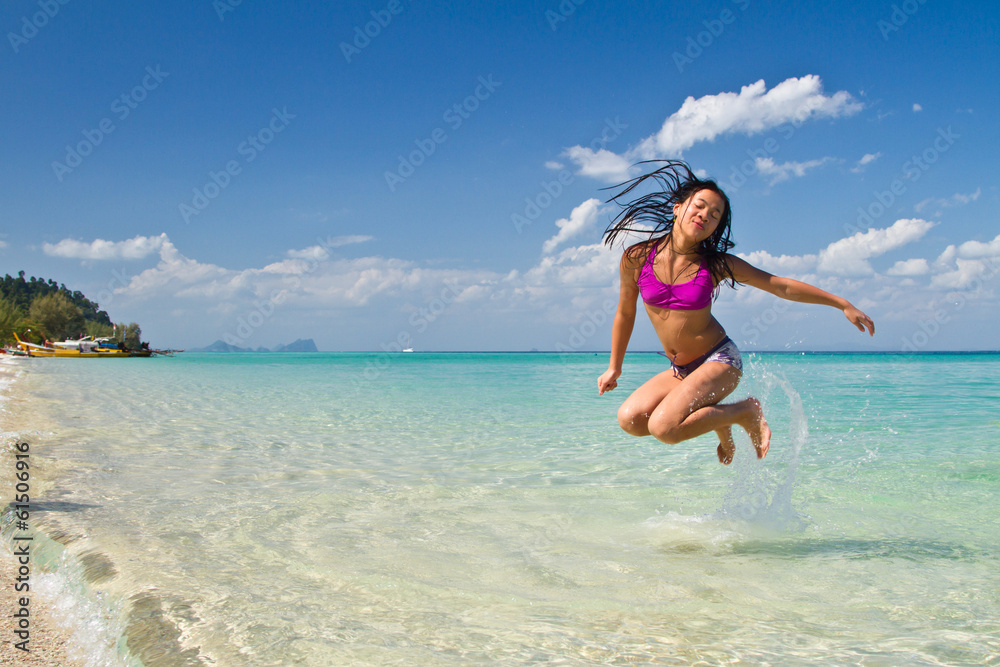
[[675, 183]]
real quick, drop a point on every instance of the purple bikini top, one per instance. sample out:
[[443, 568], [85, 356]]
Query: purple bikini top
[[692, 295]]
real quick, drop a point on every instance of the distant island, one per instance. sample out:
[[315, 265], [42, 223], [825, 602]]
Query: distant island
[[301, 345]]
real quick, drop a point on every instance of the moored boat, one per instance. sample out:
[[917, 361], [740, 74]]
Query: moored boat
[[83, 348]]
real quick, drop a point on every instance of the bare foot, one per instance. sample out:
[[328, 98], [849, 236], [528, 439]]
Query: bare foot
[[726, 448], [756, 426]]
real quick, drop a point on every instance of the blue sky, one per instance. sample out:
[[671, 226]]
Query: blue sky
[[374, 173]]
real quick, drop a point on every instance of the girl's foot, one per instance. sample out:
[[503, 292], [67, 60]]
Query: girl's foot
[[756, 426], [726, 448]]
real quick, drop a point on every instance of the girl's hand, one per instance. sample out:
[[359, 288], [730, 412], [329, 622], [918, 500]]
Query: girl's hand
[[607, 381], [860, 320]]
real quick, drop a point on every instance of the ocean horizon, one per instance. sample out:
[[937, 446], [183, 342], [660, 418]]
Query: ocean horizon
[[447, 508]]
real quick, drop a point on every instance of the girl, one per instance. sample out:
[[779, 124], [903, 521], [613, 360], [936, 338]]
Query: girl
[[677, 272]]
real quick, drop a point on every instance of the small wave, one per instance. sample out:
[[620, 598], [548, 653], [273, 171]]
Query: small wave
[[61, 581], [104, 629]]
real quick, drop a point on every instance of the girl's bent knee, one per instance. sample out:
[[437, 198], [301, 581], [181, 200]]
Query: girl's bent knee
[[665, 432], [633, 423]]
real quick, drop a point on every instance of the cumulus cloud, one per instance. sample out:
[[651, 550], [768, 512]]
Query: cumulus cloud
[[965, 273], [978, 249], [751, 111], [99, 249], [958, 267], [781, 265], [849, 256], [309, 278], [580, 266], [910, 267], [602, 164], [581, 219], [782, 172]]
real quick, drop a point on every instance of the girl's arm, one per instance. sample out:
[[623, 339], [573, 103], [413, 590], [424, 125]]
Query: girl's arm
[[794, 290], [621, 330]]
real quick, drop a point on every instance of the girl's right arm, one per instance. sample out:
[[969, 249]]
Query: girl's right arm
[[621, 330]]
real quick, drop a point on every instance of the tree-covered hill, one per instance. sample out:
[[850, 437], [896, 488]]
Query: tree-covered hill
[[39, 309]]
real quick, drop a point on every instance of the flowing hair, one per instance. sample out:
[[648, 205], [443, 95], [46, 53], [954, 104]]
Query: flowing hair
[[675, 184]]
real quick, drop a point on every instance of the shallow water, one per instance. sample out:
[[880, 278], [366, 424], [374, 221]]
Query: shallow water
[[433, 509]]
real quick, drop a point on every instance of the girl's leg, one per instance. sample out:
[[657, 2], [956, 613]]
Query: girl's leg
[[691, 409], [634, 413]]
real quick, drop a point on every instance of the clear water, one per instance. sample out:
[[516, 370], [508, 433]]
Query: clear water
[[451, 509]]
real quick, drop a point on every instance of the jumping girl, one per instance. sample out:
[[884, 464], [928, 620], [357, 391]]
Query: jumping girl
[[677, 272]]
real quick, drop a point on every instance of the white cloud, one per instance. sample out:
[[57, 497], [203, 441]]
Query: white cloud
[[99, 249], [917, 107], [965, 273], [910, 267], [579, 266], [957, 199], [309, 279], [320, 252], [315, 252], [978, 249], [782, 172], [782, 265], [553, 165], [751, 111], [580, 220], [865, 160], [602, 164], [849, 256]]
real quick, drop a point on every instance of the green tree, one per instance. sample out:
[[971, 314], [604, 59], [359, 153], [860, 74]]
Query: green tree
[[57, 316], [98, 329], [11, 320], [23, 292], [129, 335]]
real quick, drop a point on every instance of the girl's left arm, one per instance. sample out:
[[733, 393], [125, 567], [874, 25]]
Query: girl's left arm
[[795, 290]]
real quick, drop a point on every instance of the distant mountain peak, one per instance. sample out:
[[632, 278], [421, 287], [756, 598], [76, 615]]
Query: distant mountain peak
[[300, 345]]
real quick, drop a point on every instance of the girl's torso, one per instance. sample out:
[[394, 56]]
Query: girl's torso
[[677, 293]]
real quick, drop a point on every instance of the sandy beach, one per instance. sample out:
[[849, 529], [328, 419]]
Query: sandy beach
[[49, 642]]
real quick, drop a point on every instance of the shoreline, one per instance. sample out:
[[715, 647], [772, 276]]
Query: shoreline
[[50, 643]]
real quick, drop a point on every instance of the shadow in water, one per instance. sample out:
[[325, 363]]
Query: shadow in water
[[54, 506], [863, 549]]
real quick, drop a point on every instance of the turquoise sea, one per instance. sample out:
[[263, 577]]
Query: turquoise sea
[[455, 509]]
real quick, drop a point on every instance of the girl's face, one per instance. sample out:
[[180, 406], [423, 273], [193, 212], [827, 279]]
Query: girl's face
[[700, 214]]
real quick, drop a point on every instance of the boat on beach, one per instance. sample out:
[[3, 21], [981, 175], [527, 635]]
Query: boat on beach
[[86, 347]]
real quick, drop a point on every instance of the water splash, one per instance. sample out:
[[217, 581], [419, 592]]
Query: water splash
[[761, 495]]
